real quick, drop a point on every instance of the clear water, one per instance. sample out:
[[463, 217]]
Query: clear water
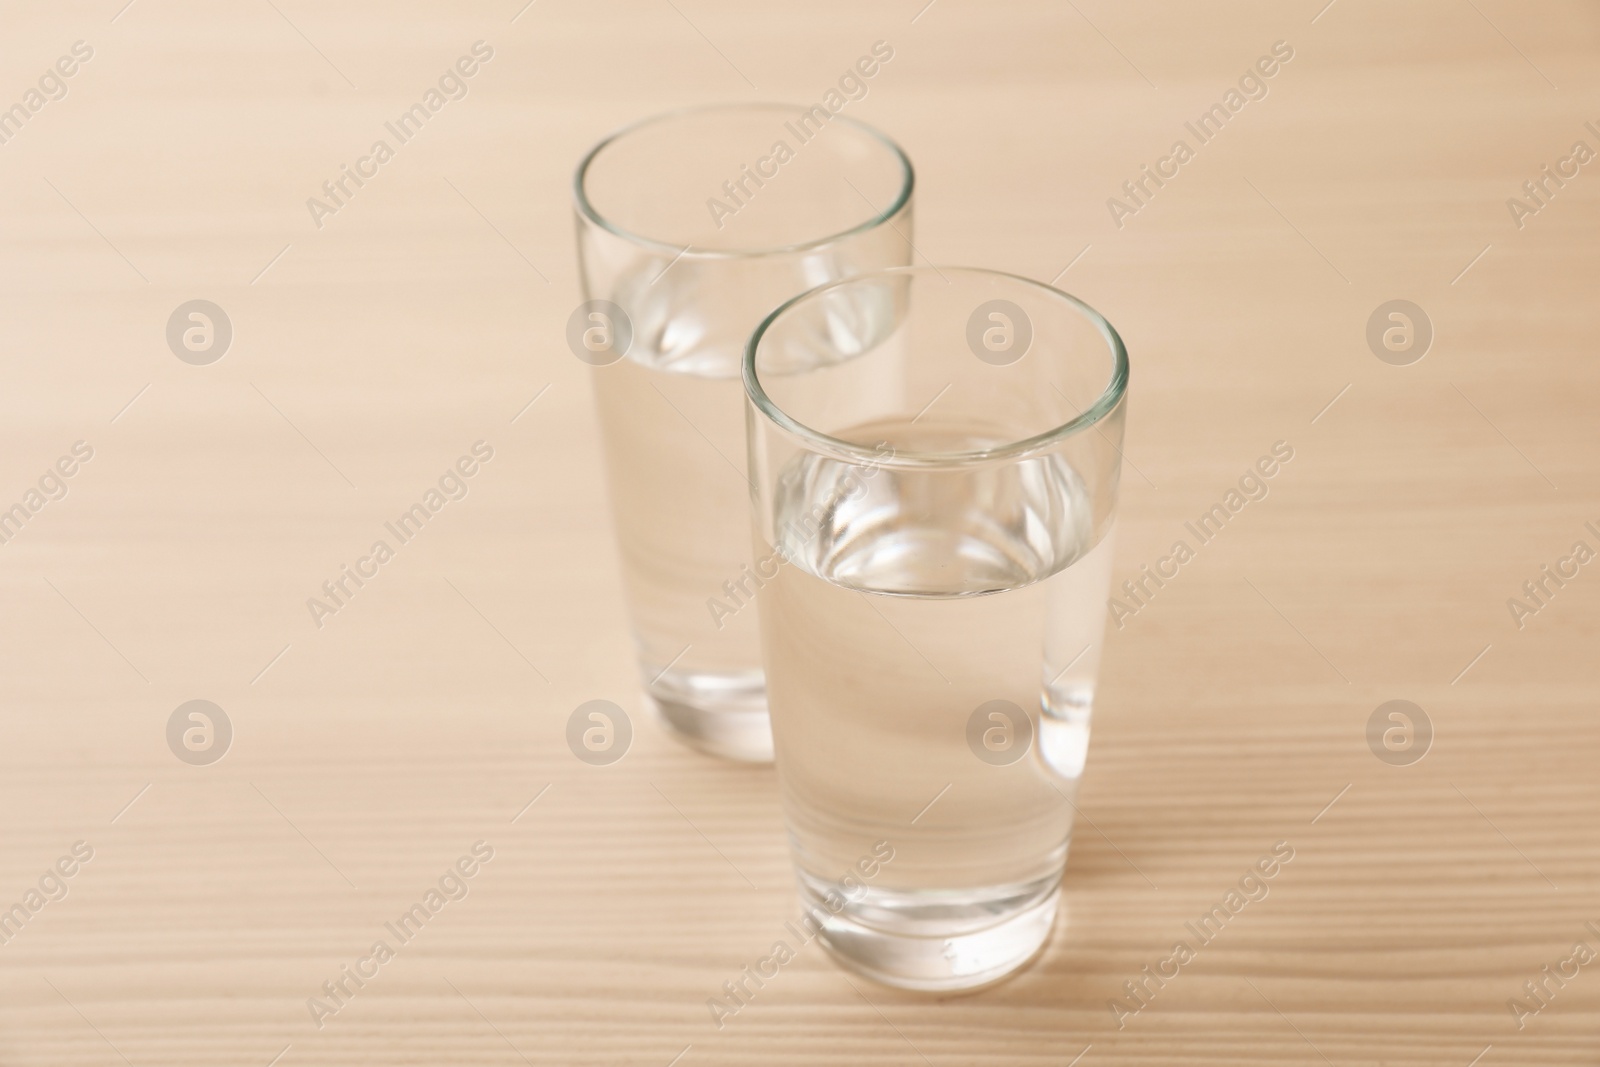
[[680, 503], [672, 420], [920, 598]]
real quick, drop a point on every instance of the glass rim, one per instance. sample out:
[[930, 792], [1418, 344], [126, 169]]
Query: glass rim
[[588, 211], [1111, 396]]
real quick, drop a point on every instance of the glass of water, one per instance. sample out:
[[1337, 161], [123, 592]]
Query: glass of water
[[936, 505], [692, 226]]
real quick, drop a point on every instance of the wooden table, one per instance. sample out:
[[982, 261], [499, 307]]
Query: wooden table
[[372, 746]]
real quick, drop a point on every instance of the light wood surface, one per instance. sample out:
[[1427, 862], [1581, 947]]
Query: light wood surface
[[372, 752]]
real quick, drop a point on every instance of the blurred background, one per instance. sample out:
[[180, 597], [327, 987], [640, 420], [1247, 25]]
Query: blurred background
[[182, 503]]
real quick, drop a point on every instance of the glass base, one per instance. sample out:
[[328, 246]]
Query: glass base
[[721, 715], [934, 941]]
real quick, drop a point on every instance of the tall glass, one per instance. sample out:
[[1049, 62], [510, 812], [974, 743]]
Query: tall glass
[[935, 512], [692, 226]]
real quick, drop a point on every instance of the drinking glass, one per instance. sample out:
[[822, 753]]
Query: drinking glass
[[933, 523], [692, 226]]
